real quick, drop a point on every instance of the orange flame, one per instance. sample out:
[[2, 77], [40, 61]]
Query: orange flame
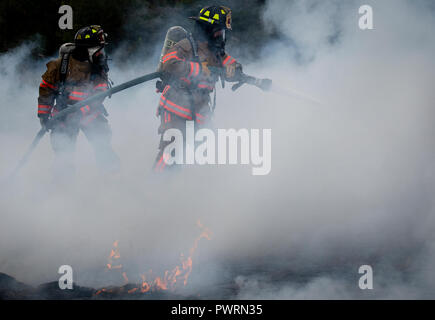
[[124, 275], [170, 279], [132, 290], [114, 255]]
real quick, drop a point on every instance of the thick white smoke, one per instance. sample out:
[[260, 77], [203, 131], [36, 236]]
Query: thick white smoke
[[351, 180]]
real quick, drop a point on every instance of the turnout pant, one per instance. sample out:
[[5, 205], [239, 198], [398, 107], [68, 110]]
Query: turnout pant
[[168, 121], [96, 129], [171, 121]]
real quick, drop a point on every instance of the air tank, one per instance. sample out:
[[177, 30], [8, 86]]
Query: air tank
[[174, 35]]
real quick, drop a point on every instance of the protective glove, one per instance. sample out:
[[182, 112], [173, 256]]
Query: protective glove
[[233, 72], [230, 71], [205, 71]]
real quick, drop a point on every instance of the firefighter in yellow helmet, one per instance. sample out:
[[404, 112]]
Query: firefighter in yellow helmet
[[79, 72], [193, 66]]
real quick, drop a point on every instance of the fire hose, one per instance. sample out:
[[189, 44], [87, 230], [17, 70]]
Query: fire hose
[[242, 78], [263, 84], [75, 107]]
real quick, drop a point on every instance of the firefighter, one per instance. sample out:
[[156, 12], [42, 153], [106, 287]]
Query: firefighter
[[192, 67], [80, 71]]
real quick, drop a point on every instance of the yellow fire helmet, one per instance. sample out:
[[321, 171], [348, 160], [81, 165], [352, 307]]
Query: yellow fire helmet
[[215, 17]]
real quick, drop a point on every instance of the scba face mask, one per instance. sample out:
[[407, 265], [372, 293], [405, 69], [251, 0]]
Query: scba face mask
[[218, 40], [98, 57]]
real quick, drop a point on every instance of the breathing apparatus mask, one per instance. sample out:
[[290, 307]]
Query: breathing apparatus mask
[[217, 41], [90, 42], [98, 57]]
